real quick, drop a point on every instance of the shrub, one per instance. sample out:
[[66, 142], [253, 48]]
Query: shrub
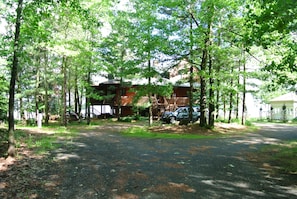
[[294, 120], [126, 119], [248, 123]]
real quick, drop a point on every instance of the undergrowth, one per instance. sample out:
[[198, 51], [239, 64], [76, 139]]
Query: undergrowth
[[283, 155], [143, 132]]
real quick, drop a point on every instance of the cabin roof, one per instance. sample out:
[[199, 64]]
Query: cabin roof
[[289, 97], [156, 81]]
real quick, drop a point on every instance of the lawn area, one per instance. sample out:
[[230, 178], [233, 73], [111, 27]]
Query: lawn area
[[279, 157]]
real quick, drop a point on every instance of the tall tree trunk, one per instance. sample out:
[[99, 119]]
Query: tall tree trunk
[[149, 82], [191, 73], [77, 107], [231, 96], [69, 90], [237, 94], [224, 107], [211, 105], [150, 94], [205, 56], [37, 85], [76, 99], [244, 91], [121, 88], [191, 95], [46, 100], [88, 104], [211, 108], [14, 72], [80, 101], [203, 87], [64, 91], [76, 94], [218, 82], [119, 99], [203, 104], [22, 112]]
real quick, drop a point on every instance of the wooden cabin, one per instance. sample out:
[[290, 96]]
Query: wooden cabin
[[121, 98]]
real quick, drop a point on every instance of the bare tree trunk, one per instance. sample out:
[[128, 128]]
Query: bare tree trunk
[[203, 104], [69, 90], [218, 82], [150, 95], [211, 105], [191, 95], [203, 88], [14, 71], [119, 99], [76, 94], [88, 105], [224, 107], [64, 90], [244, 91], [231, 96], [37, 84], [237, 94], [211, 108], [80, 99], [191, 73], [22, 112], [46, 103]]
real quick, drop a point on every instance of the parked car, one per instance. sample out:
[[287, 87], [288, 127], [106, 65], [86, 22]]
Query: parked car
[[181, 114], [72, 116]]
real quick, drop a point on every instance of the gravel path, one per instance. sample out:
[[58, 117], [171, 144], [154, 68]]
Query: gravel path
[[104, 164]]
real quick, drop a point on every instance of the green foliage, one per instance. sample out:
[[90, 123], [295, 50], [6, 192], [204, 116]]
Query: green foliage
[[126, 119], [145, 40], [3, 96], [3, 142], [273, 15], [131, 118], [248, 123], [294, 120], [143, 132], [273, 26]]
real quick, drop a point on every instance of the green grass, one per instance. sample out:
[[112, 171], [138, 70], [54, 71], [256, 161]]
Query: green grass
[[283, 155], [143, 132], [46, 140], [42, 144]]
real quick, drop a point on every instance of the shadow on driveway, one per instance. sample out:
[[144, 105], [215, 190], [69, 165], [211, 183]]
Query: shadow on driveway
[[103, 164]]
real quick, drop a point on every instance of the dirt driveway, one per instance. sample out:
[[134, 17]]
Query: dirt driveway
[[103, 164]]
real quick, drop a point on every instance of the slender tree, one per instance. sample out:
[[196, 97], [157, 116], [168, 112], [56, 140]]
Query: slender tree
[[14, 72], [149, 39]]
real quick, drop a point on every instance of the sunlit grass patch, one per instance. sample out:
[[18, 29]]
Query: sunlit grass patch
[[143, 132], [284, 156], [41, 144]]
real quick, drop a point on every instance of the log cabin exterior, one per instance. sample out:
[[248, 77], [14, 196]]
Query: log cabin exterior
[[122, 98]]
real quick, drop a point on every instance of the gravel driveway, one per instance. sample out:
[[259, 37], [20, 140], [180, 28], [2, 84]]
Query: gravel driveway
[[103, 164]]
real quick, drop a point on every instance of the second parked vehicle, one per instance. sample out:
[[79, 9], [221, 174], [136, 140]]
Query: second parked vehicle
[[181, 114]]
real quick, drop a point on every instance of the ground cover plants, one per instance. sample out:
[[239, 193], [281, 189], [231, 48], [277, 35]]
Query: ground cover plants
[[280, 157]]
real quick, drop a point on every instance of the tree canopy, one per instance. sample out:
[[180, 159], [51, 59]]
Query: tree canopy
[[63, 44]]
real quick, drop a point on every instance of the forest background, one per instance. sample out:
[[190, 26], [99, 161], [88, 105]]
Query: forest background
[[51, 49]]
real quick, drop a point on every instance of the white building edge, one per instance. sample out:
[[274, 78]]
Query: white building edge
[[284, 107]]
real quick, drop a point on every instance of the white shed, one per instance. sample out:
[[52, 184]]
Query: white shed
[[284, 107]]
